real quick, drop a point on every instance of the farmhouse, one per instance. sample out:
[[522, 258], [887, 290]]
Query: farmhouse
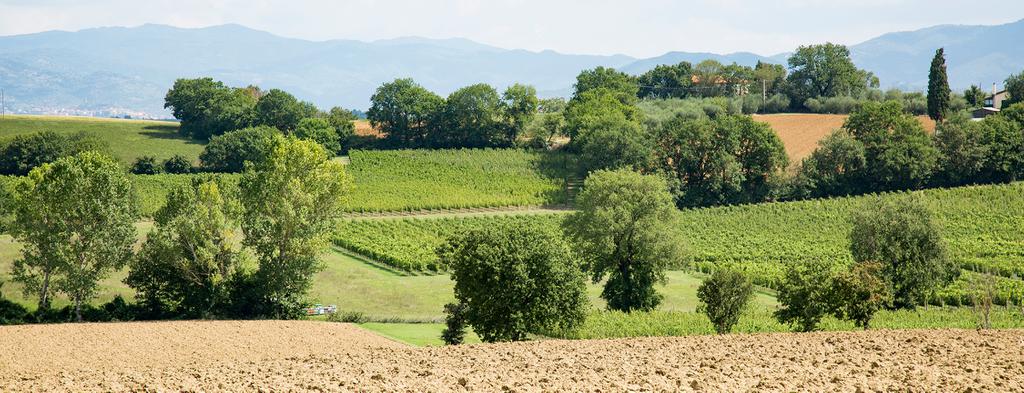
[[991, 105]]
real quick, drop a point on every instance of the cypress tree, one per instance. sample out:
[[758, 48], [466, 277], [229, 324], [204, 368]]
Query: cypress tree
[[938, 87]]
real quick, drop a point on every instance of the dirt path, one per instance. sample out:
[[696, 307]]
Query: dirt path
[[469, 212], [284, 356]]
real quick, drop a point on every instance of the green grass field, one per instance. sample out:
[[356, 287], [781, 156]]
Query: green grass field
[[128, 139]]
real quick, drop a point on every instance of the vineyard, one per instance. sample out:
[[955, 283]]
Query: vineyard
[[402, 180], [981, 225], [409, 244]]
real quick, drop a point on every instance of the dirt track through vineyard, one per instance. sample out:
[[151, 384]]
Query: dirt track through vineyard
[[308, 355]]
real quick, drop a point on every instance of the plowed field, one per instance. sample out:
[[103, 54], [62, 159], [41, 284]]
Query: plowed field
[[284, 356], [800, 132]]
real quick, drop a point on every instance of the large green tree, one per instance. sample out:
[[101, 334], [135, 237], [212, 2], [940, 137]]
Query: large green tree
[[519, 104], [472, 117], [607, 133], [186, 265], [207, 108], [825, 71], [403, 110], [836, 167], [729, 159], [975, 96], [321, 131], [622, 85], [623, 229], [901, 235], [938, 88], [281, 110], [291, 201], [74, 218], [515, 280], [898, 152], [26, 151], [1015, 87]]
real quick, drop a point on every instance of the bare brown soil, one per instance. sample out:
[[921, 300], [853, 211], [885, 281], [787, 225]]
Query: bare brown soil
[[800, 132], [304, 356]]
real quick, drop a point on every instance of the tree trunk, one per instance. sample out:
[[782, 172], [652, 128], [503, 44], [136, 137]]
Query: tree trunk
[[78, 308], [44, 292]]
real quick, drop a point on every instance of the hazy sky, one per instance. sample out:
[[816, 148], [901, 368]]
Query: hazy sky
[[639, 27]]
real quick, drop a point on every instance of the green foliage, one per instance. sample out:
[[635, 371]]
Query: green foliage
[[24, 152], [401, 180], [74, 218], [516, 280], [209, 108], [724, 296], [606, 131], [145, 165], [805, 295], [1015, 87], [729, 159], [291, 199], [177, 165], [188, 260], [962, 152], [402, 110], [519, 106], [901, 235], [230, 152], [1003, 138], [834, 168], [409, 244], [666, 81], [825, 71], [471, 117], [938, 88], [342, 121], [321, 131], [281, 110], [898, 152], [975, 96], [454, 332], [621, 85], [859, 293], [623, 230]]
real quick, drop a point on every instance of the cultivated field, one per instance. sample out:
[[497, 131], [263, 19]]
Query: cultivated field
[[128, 139], [800, 132], [283, 356]]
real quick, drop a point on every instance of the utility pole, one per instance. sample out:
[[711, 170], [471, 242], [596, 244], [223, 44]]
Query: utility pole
[[764, 93], [3, 107]]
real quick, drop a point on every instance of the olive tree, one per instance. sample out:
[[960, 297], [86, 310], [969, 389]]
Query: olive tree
[[623, 229], [74, 218], [291, 200], [514, 280], [900, 234], [724, 296]]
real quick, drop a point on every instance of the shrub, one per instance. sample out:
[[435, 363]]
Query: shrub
[[11, 313], [145, 165], [24, 152], [516, 280], [805, 295], [348, 317], [454, 332], [177, 164], [859, 293], [725, 294], [230, 152]]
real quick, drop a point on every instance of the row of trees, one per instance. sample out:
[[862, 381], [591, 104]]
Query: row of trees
[[208, 108], [473, 116], [815, 71], [75, 219], [881, 148]]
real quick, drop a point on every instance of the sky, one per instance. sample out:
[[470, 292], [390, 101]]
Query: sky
[[639, 28]]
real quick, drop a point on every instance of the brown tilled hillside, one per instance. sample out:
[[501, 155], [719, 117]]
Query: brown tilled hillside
[[800, 132]]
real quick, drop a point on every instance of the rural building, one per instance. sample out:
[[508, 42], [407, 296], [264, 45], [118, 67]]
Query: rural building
[[980, 113], [996, 99]]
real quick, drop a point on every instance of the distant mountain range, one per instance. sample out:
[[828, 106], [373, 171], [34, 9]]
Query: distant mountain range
[[126, 71]]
